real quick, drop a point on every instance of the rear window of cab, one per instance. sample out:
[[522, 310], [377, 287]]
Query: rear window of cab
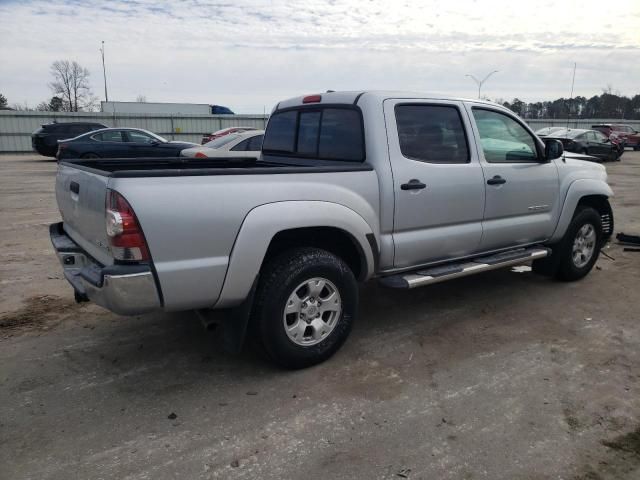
[[323, 133]]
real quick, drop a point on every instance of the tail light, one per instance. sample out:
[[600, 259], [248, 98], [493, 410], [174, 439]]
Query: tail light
[[123, 230], [200, 155]]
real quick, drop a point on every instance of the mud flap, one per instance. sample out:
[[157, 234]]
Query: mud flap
[[233, 321]]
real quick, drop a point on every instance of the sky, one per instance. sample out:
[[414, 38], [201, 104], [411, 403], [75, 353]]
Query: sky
[[249, 54]]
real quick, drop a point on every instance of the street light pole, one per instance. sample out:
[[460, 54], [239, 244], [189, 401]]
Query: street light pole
[[104, 73], [480, 82]]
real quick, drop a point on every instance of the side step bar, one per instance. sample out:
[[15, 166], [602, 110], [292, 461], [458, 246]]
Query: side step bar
[[450, 271]]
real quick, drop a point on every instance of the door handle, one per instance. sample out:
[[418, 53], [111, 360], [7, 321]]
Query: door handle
[[496, 180], [74, 187], [414, 184]]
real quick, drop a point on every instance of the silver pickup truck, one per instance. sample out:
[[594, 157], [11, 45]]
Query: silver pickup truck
[[408, 188]]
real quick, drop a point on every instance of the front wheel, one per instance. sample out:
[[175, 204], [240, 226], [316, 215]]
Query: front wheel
[[305, 306], [580, 246]]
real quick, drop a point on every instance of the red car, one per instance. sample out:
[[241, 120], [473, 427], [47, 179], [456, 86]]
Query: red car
[[206, 138], [624, 134]]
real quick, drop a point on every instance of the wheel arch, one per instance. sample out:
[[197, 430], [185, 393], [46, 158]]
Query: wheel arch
[[593, 193], [271, 228]]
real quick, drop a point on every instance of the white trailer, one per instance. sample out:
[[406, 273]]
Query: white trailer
[[152, 108]]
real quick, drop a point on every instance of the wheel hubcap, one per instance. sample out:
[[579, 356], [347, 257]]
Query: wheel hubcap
[[584, 245], [312, 311]]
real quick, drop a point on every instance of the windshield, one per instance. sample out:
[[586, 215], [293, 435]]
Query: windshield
[[219, 142]]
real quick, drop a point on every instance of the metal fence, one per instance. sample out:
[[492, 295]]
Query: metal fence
[[577, 122], [16, 127]]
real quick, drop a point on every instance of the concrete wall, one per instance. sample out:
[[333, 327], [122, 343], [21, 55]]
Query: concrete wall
[[16, 127]]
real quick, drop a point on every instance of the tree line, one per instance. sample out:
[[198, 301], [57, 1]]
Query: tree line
[[606, 105]]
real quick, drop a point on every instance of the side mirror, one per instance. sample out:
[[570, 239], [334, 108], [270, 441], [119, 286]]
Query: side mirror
[[155, 143], [553, 149]]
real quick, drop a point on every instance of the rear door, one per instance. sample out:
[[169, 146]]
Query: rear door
[[522, 190], [438, 181]]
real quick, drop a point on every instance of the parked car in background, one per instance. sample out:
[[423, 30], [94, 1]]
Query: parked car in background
[[627, 135], [119, 143], [207, 137], [587, 142], [241, 144], [45, 139]]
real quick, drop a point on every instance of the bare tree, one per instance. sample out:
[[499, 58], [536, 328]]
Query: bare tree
[[141, 99], [71, 83], [3, 101]]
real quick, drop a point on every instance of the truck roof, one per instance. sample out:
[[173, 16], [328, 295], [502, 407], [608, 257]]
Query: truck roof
[[352, 97]]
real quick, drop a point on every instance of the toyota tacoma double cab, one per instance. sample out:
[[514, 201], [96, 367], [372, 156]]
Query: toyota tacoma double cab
[[407, 188]]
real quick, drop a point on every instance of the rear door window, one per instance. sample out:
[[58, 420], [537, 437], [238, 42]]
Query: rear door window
[[329, 133], [432, 133], [255, 143], [242, 146], [112, 136]]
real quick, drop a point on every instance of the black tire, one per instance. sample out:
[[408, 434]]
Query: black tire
[[90, 155], [568, 270], [278, 281]]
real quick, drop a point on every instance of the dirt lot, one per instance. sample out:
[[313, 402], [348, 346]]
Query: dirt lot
[[500, 376]]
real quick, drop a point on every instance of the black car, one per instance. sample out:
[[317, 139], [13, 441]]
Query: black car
[[587, 142], [45, 139], [120, 143]]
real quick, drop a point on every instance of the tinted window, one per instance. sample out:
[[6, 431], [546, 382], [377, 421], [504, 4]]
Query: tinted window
[[327, 134], [281, 132], [431, 133], [308, 133], [341, 136], [241, 146], [112, 136], [255, 143], [503, 139]]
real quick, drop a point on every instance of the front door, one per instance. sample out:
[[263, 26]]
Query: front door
[[522, 204], [438, 181]]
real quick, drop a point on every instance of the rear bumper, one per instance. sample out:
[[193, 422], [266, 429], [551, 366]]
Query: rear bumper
[[122, 289]]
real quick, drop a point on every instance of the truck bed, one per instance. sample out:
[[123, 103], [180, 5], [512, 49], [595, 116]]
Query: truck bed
[[174, 167]]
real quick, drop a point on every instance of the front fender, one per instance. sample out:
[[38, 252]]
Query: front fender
[[262, 223], [577, 190]]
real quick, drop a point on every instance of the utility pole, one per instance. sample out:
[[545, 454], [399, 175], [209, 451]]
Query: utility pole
[[480, 82], [573, 81], [104, 73]]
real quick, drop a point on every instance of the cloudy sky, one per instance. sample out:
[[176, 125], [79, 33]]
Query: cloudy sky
[[248, 54]]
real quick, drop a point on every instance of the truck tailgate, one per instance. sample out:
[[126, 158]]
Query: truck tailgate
[[81, 199]]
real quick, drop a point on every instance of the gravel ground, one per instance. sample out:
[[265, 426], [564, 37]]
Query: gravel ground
[[500, 376]]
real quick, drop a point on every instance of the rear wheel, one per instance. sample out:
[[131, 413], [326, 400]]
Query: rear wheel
[[580, 247], [305, 306]]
